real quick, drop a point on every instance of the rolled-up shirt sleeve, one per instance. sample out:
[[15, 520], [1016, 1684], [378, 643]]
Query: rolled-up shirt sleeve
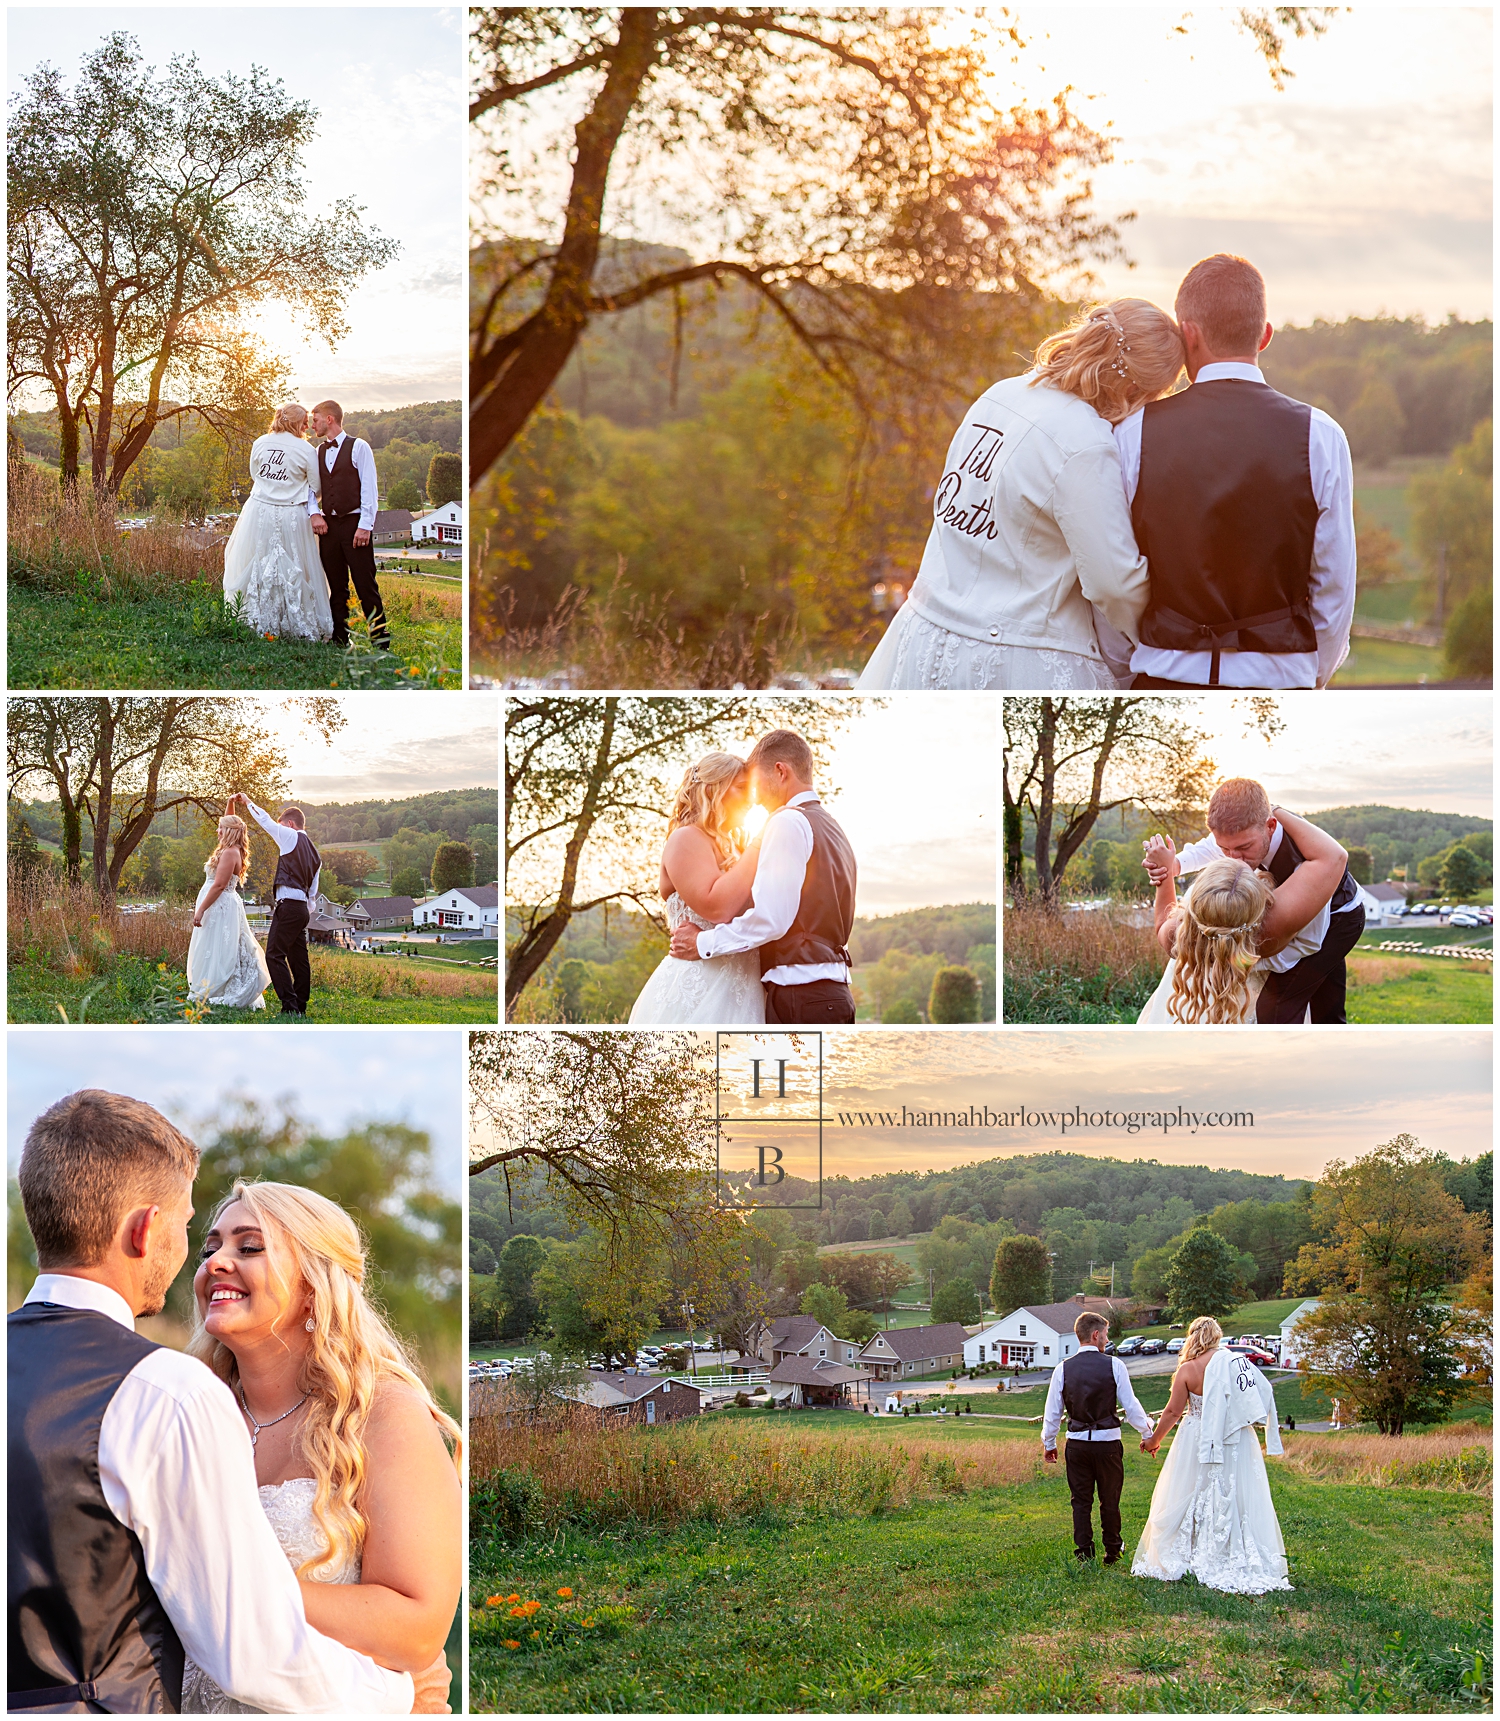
[[176, 1468], [1088, 503], [284, 837], [1052, 1411], [1129, 1403], [785, 849], [1192, 857]]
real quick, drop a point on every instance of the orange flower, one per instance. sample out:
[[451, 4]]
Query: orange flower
[[268, 636], [511, 1642], [566, 1594], [493, 1601], [518, 1613], [531, 1607], [513, 1598], [536, 1634]]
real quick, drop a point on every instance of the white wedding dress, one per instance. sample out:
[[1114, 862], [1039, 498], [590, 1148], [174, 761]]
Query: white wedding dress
[[724, 990], [289, 1507], [271, 560], [225, 963], [1154, 1014], [916, 652], [1216, 1521]]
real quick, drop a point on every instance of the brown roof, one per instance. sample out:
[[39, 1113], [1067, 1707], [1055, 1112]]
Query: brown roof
[[803, 1371], [793, 1332], [912, 1344], [387, 907], [631, 1385], [1060, 1316]]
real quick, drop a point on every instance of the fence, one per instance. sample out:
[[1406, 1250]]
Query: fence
[[1464, 950]]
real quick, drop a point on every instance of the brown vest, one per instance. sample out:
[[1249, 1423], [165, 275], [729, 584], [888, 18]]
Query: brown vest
[[825, 913]]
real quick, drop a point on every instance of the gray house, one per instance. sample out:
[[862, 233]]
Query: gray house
[[373, 912], [909, 1352]]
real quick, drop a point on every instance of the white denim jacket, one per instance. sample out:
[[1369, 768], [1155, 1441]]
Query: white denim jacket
[[1235, 1395], [1030, 527]]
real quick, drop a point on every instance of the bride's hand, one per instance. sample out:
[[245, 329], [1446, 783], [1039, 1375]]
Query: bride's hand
[[431, 1687], [197, 920]]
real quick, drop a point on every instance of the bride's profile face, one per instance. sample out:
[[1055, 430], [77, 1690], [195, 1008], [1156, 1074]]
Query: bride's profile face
[[738, 801], [242, 1291]]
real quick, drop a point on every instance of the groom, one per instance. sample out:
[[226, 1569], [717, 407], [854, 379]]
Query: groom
[[802, 901], [345, 521], [294, 894], [1310, 974], [1243, 506], [136, 1535], [1086, 1386]]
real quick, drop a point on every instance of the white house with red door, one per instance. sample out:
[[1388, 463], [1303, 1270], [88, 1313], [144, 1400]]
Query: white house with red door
[[466, 911], [1036, 1337], [443, 525]]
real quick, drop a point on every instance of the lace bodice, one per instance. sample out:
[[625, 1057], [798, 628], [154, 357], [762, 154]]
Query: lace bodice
[[1194, 1406], [288, 1508], [678, 911], [233, 885]]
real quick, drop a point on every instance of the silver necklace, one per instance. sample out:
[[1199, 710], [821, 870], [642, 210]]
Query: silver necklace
[[255, 1427]]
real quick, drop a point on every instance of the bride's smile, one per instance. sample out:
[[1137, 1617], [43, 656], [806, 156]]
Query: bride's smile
[[241, 1296]]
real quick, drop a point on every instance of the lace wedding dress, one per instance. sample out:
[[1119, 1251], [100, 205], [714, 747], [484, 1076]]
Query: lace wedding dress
[[1216, 1521], [916, 652], [271, 560], [289, 1507], [724, 990], [225, 962]]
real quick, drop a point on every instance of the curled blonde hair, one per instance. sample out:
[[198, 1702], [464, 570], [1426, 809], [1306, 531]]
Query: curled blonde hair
[[291, 418], [706, 786], [1202, 1335], [1116, 357], [234, 833], [353, 1354], [1216, 943]]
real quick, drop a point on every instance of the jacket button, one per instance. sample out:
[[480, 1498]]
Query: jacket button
[[994, 633]]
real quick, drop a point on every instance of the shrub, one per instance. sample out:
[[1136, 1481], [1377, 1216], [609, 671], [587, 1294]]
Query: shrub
[[954, 996]]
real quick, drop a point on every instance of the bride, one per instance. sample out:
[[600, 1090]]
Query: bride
[[271, 561], [707, 870], [225, 964], [1229, 923], [1211, 1511], [357, 1465], [1031, 541]]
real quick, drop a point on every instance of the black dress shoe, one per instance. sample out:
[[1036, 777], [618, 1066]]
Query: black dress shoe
[[1113, 1559]]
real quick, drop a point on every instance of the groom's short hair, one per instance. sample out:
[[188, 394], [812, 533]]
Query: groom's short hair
[[1089, 1325], [1226, 297], [293, 816], [86, 1162], [331, 408], [1237, 804], [786, 747]]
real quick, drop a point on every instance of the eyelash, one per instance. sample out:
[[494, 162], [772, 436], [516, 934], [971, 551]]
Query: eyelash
[[245, 1249]]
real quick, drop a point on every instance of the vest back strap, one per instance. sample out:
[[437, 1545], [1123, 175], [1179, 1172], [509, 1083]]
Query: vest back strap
[[1174, 631], [44, 1696]]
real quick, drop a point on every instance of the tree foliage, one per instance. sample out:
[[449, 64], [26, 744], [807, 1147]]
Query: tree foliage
[[150, 217], [1022, 1275], [452, 865], [957, 1301], [1203, 1277]]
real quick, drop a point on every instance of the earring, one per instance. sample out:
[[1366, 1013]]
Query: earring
[[309, 1325]]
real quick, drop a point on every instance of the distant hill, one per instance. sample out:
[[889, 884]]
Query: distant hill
[[1428, 832]]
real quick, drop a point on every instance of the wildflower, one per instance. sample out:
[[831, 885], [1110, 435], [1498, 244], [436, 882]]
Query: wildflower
[[530, 1607], [588, 1624], [513, 1598], [536, 1634], [268, 636], [518, 1613], [511, 1642], [566, 1594], [493, 1601]]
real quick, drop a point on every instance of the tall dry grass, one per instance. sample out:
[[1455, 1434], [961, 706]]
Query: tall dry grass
[[393, 977], [52, 539], [720, 1471], [1096, 964], [1458, 1458], [55, 923], [618, 639]]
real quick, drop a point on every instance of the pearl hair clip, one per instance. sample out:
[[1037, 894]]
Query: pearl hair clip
[[1122, 346]]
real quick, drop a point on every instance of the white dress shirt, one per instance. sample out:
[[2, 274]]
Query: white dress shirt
[[1124, 1391], [786, 846], [285, 839], [364, 465], [1330, 579], [1305, 942], [176, 1468]]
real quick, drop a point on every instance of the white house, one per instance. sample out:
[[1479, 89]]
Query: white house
[[1039, 1336], [466, 911], [1384, 904], [1290, 1353], [443, 525]]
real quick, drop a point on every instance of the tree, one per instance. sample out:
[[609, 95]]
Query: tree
[[1067, 761], [827, 1305], [1463, 872], [954, 996], [1361, 864], [445, 480], [118, 764], [150, 219], [957, 1301], [875, 188], [407, 882], [589, 785], [1375, 423], [350, 866], [1022, 1275], [452, 865], [515, 1274], [1452, 516], [1203, 1277], [1386, 1334], [404, 494], [878, 1226]]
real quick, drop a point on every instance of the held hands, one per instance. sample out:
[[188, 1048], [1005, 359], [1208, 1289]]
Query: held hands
[[320, 526], [1160, 859], [431, 1686], [685, 943]]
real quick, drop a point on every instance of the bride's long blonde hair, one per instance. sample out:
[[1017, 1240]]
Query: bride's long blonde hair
[[353, 1354], [706, 786], [291, 419], [1202, 1335], [234, 833], [1216, 943]]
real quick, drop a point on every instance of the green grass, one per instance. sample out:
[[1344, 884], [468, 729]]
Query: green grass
[[186, 639], [972, 1604], [1427, 931], [1380, 660], [1060, 994], [1429, 989], [1391, 604]]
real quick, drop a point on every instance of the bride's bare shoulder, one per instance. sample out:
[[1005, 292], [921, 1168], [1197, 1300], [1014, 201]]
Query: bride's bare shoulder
[[400, 1419], [685, 840]]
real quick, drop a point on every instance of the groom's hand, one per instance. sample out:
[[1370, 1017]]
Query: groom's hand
[[361, 538], [319, 524], [1049, 1456], [685, 942]]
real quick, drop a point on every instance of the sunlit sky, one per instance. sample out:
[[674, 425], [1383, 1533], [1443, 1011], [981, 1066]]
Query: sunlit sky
[[388, 84], [1316, 1095], [392, 745], [913, 783], [331, 1078], [1362, 187], [1433, 751]]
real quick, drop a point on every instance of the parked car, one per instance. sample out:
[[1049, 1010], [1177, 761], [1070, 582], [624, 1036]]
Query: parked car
[[1462, 917], [1130, 1347], [1175, 1345], [1152, 1347], [1261, 1359]]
